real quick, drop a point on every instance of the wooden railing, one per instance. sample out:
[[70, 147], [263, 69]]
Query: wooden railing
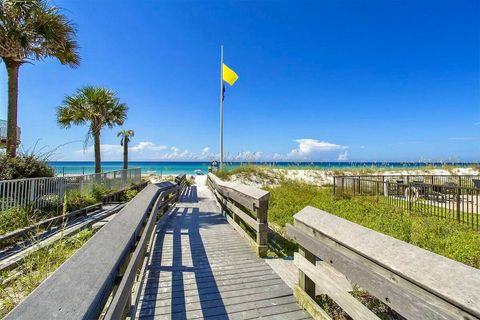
[[246, 209], [414, 282], [98, 279]]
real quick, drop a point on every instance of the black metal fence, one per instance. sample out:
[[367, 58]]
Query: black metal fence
[[451, 197]]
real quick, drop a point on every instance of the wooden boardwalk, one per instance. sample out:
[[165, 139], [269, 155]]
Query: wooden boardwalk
[[201, 268]]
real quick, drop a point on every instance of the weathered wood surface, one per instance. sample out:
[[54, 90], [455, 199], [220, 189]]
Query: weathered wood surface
[[248, 196], [413, 281], [235, 198], [80, 287], [345, 300], [201, 267]]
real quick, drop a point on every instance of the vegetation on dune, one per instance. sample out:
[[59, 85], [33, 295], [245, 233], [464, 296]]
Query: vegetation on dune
[[16, 284], [445, 237], [275, 171], [95, 106], [25, 165], [31, 30]]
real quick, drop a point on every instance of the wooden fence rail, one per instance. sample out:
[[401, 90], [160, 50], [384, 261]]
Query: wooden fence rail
[[416, 283], [98, 278], [245, 206]]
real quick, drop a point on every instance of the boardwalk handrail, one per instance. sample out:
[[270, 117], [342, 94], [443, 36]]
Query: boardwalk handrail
[[104, 267], [416, 283], [246, 204]]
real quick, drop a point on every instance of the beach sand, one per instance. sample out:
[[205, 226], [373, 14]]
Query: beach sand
[[320, 177]]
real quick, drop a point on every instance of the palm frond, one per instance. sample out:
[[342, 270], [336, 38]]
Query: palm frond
[[34, 30]]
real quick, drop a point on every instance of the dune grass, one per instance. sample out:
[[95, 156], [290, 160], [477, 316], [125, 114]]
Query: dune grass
[[442, 236], [262, 169], [16, 284]]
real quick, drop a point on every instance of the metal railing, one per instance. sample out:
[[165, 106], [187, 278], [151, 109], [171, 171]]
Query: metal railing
[[457, 180], [448, 200], [43, 192]]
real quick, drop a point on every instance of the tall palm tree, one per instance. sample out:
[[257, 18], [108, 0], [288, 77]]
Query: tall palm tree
[[98, 107], [31, 30], [126, 135]]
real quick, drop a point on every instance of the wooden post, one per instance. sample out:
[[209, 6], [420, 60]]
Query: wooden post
[[304, 282], [262, 234]]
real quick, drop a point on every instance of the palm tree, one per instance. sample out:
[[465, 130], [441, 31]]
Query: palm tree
[[126, 135], [98, 107], [31, 30]]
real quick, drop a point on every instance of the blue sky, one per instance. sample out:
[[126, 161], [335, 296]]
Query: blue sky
[[319, 81]]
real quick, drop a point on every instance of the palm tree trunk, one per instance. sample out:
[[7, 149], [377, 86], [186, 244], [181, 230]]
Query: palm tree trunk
[[96, 142], [12, 71], [125, 153]]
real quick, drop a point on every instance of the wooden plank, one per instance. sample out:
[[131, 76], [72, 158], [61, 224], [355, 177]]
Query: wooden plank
[[460, 285], [124, 290], [243, 215], [393, 290], [347, 302], [236, 295], [248, 196], [240, 310], [243, 233], [459, 296], [307, 303]]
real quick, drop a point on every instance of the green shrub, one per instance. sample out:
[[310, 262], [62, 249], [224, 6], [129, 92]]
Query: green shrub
[[77, 200], [130, 194], [14, 218], [442, 236], [99, 191], [27, 165]]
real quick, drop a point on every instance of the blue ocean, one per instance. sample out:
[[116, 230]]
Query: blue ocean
[[169, 168]]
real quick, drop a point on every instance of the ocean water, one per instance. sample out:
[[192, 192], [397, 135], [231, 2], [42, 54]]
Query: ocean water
[[162, 167]]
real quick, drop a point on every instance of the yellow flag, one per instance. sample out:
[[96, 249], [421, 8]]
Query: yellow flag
[[229, 76]]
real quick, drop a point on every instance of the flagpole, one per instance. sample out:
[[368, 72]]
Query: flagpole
[[221, 107]]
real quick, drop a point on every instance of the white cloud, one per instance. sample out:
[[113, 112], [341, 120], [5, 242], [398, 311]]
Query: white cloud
[[308, 147], [343, 156], [461, 138], [144, 150], [146, 145], [206, 152], [278, 157]]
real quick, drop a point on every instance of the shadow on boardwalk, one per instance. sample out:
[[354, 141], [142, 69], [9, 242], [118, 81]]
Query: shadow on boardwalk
[[185, 222], [201, 268]]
